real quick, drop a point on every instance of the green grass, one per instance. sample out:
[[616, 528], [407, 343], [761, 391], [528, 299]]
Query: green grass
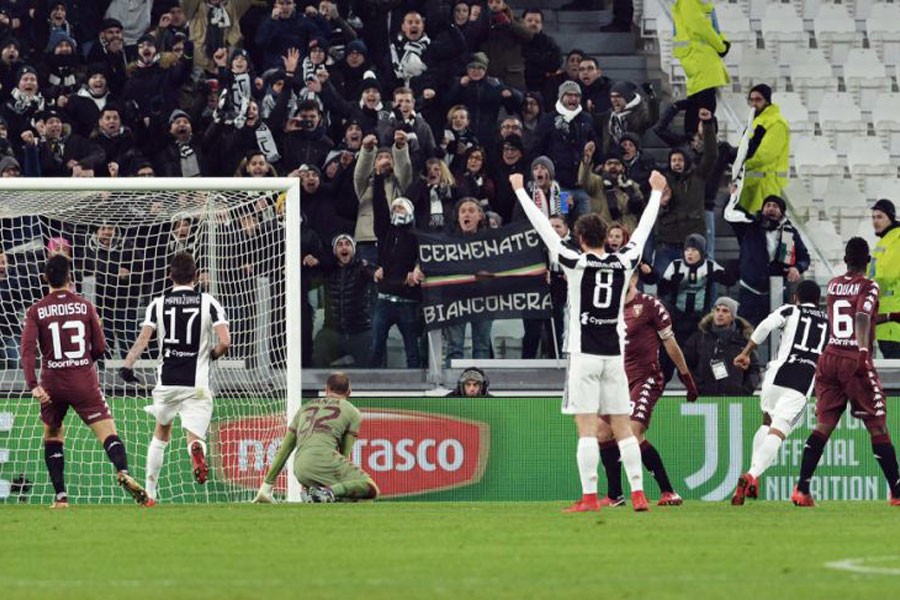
[[445, 550]]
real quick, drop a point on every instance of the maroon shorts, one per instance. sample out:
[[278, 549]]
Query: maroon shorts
[[645, 392], [92, 408], [837, 382]]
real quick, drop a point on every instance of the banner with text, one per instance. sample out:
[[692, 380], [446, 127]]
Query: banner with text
[[506, 449], [494, 274]]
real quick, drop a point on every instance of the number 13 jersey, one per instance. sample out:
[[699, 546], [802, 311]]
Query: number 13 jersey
[[184, 319]]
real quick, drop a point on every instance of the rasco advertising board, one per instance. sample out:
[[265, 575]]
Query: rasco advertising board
[[451, 449]]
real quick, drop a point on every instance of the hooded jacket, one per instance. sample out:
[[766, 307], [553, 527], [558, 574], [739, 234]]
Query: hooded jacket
[[706, 347], [685, 213], [768, 158]]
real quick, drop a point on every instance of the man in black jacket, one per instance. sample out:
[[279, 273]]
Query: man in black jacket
[[399, 296], [61, 153], [348, 322], [183, 156]]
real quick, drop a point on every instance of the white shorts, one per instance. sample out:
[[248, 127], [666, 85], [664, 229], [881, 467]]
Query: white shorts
[[193, 404], [596, 385], [783, 404]]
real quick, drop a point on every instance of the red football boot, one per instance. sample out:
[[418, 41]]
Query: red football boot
[[639, 502], [894, 501], [584, 505], [745, 482], [201, 470], [608, 501], [670, 499], [801, 499], [753, 487]]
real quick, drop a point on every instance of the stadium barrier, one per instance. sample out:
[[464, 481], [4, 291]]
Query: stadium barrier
[[448, 449]]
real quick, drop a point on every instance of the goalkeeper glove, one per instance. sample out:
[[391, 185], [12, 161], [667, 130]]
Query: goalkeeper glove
[[690, 385], [128, 375], [264, 495]]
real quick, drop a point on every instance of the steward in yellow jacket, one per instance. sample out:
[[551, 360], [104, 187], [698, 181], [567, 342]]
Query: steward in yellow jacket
[[768, 151], [885, 270]]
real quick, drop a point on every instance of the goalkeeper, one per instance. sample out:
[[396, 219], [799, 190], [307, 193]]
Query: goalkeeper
[[323, 431]]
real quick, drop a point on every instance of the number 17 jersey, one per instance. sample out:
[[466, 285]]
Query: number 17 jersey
[[184, 319], [847, 296]]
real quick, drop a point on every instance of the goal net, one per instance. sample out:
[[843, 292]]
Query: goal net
[[121, 235]]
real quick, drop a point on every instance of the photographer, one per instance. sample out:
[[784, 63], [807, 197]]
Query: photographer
[[302, 140]]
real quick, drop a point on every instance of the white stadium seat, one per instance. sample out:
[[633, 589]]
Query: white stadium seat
[[883, 30], [794, 110], [835, 32], [782, 29], [735, 26], [869, 163], [886, 118], [756, 66], [825, 237], [865, 76], [815, 160], [844, 204], [841, 119], [800, 200], [811, 75]]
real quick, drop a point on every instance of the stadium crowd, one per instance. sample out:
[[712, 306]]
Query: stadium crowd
[[396, 116]]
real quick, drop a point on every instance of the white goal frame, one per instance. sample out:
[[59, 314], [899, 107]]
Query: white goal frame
[[291, 187]]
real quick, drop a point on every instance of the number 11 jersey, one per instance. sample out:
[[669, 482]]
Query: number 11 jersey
[[184, 319]]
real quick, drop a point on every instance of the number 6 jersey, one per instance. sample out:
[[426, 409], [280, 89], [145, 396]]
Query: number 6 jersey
[[847, 296], [184, 319]]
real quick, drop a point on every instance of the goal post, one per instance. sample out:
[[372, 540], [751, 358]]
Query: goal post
[[248, 254]]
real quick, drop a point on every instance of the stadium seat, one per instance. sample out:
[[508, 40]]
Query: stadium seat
[[886, 118], [862, 9], [816, 160], [883, 30], [865, 76], [782, 29], [824, 236], [841, 119], [835, 32], [793, 109], [800, 200], [756, 66], [735, 25], [869, 163], [844, 204], [810, 74], [890, 189]]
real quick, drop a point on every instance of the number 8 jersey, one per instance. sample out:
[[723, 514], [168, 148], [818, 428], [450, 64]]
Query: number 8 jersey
[[848, 295], [184, 319]]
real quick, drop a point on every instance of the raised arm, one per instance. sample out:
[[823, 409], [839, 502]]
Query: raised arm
[[648, 218], [539, 221]]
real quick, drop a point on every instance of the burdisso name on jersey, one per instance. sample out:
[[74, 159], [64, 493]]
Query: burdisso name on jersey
[[62, 310]]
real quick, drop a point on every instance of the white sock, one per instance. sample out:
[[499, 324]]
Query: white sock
[[588, 458], [155, 454], [202, 445], [765, 455], [631, 460], [759, 437]]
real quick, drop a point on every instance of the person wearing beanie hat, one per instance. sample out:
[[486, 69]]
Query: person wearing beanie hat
[[770, 246], [84, 106], [26, 100], [688, 286], [544, 189], [10, 167], [357, 46], [885, 270], [479, 60], [764, 171], [699, 46], [561, 135], [472, 383], [711, 351], [347, 329], [613, 196], [629, 114], [60, 69]]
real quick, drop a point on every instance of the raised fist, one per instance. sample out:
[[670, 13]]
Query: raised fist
[[657, 181], [400, 138], [369, 142], [517, 181], [589, 150]]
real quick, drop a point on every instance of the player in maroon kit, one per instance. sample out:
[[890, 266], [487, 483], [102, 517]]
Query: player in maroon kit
[[66, 328], [647, 323], [845, 372]]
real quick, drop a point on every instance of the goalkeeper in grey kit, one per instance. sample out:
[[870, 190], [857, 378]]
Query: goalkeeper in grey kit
[[323, 432]]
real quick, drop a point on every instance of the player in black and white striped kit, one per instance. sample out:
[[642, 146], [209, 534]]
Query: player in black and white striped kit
[[789, 378], [596, 385], [191, 330]]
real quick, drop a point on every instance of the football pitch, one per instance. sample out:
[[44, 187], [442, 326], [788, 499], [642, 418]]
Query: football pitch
[[450, 550]]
